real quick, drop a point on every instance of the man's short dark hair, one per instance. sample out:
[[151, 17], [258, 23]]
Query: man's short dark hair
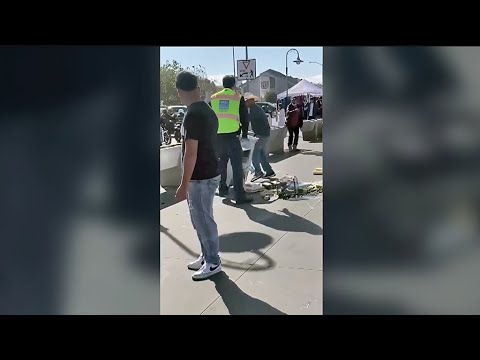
[[186, 81], [229, 81]]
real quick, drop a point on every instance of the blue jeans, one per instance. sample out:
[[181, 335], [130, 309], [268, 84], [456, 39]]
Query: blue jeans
[[200, 202], [260, 157], [229, 147]]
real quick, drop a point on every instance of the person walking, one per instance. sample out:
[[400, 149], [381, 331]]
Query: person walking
[[261, 129], [200, 177], [232, 113], [293, 123]]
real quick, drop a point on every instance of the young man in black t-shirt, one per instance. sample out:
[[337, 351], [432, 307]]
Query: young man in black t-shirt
[[200, 177]]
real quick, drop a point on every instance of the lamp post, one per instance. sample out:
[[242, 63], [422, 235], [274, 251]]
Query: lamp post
[[298, 62], [234, 72]]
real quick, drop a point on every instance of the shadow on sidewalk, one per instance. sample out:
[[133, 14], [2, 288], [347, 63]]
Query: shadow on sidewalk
[[290, 223], [277, 157], [238, 302], [312, 152], [167, 198], [233, 243], [244, 241]]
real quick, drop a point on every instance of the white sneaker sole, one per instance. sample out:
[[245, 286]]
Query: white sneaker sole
[[206, 275], [195, 267]]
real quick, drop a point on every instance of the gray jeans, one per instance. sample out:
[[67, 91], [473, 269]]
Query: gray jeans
[[260, 156], [200, 202]]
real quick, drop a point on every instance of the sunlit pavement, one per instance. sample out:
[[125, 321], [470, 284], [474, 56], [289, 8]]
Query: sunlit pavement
[[271, 252]]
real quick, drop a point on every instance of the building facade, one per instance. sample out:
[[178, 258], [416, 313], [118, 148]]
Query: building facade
[[268, 81]]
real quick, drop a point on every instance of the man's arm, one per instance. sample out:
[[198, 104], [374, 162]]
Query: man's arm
[[243, 117], [193, 133], [189, 160]]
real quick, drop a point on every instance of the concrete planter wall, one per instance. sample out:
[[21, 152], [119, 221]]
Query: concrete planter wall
[[309, 130], [276, 143], [319, 129], [170, 157], [170, 165]]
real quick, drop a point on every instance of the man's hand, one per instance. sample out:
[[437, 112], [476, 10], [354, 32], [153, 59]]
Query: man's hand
[[181, 192]]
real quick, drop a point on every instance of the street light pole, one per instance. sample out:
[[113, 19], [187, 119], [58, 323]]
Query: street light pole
[[298, 62], [233, 50]]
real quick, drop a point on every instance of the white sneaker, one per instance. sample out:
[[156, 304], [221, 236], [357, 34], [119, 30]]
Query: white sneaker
[[197, 264], [206, 271]]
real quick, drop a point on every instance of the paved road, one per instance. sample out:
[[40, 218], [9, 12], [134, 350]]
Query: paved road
[[271, 252]]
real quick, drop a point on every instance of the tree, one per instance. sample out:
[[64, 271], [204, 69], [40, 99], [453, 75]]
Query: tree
[[271, 97], [206, 85], [168, 73], [168, 92]]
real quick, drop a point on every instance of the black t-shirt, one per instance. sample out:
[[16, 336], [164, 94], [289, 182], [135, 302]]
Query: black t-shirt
[[201, 123]]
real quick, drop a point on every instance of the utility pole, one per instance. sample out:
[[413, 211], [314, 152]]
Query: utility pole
[[233, 49]]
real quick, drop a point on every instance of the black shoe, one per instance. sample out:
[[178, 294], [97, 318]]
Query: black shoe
[[270, 175], [223, 192], [256, 177], [245, 200]]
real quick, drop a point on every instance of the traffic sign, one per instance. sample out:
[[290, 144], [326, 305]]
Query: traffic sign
[[246, 69]]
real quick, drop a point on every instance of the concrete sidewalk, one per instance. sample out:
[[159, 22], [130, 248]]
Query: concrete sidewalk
[[271, 252]]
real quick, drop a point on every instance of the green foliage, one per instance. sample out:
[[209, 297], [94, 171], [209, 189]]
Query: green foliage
[[271, 97], [168, 73]]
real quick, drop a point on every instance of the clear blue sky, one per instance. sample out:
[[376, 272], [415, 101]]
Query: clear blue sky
[[218, 61]]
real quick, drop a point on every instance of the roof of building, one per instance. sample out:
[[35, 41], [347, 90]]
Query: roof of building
[[291, 80]]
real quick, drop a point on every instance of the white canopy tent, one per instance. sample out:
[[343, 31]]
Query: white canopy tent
[[304, 87]]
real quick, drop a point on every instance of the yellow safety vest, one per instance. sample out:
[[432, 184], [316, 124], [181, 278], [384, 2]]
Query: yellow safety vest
[[226, 104]]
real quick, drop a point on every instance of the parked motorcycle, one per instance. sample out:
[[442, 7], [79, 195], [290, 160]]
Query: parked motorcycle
[[177, 133], [167, 138]]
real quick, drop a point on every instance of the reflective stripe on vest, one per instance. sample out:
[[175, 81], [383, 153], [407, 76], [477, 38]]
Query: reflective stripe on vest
[[226, 105]]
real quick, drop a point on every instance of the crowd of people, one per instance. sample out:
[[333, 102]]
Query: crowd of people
[[309, 111]]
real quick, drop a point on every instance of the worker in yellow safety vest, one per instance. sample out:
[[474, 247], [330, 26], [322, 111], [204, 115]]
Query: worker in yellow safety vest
[[232, 116]]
